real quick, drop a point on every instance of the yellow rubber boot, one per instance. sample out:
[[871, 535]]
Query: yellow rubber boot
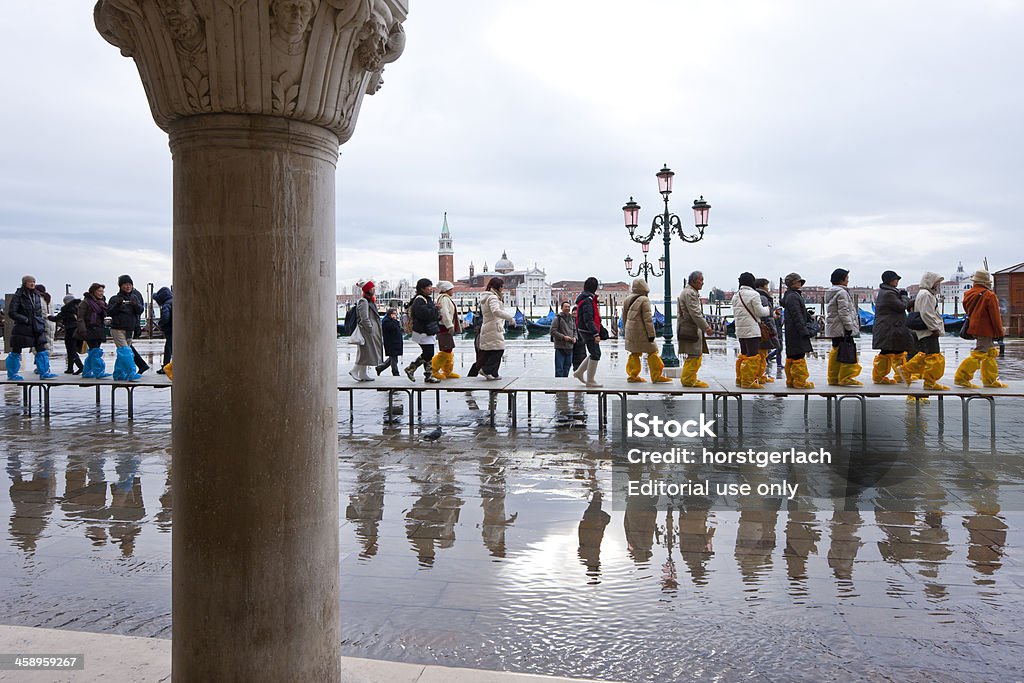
[[969, 366], [739, 369], [934, 367], [750, 372], [913, 368], [168, 370], [656, 366], [449, 366], [789, 372], [801, 375], [688, 377], [848, 375], [763, 355], [437, 364], [990, 370], [880, 370], [833, 367], [633, 368]]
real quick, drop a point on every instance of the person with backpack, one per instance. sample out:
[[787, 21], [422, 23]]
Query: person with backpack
[[164, 297], [563, 335], [985, 324], [392, 330], [425, 318], [443, 364], [26, 310], [370, 352], [588, 326], [68, 318], [799, 328]]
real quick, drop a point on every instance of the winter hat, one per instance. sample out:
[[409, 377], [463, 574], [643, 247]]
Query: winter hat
[[792, 278], [26, 278], [445, 286], [367, 286], [747, 279], [982, 277], [838, 275], [69, 298], [123, 279], [890, 275]]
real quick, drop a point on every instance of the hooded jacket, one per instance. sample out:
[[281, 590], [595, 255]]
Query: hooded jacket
[[492, 332], [165, 298], [638, 319], [841, 315], [588, 317], [927, 304]]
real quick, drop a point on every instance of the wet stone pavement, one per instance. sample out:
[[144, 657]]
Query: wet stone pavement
[[502, 549]]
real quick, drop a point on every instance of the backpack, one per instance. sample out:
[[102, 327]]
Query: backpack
[[407, 318], [351, 321]]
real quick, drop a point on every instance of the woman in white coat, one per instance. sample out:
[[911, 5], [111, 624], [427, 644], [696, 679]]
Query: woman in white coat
[[747, 311], [492, 332]]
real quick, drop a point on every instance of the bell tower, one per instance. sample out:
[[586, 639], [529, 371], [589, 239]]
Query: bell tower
[[445, 254]]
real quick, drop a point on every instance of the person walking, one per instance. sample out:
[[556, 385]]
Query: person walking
[[691, 329], [391, 327], [985, 324], [638, 328], [842, 323], [492, 330], [68, 318], [890, 334], [747, 312], [443, 364], [797, 326], [424, 330], [164, 298], [767, 345], [124, 309], [588, 328], [563, 335], [928, 361], [92, 330], [49, 318], [26, 310], [371, 352]]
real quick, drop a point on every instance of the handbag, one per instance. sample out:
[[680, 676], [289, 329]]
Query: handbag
[[767, 333], [847, 351], [688, 331], [964, 334], [357, 337], [915, 321]]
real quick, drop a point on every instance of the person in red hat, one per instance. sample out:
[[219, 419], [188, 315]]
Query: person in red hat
[[370, 352]]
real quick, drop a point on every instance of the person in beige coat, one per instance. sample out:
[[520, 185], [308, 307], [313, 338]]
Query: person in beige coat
[[747, 312], [691, 327], [492, 332], [638, 327], [443, 363]]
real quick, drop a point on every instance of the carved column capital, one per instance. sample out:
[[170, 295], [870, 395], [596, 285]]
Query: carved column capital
[[308, 60]]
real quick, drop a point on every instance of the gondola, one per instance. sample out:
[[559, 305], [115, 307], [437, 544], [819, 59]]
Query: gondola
[[520, 327], [541, 325]]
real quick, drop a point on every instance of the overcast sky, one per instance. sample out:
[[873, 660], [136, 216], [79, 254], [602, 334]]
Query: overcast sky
[[867, 135]]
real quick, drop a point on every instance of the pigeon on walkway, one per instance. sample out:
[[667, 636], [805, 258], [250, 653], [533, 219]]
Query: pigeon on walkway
[[434, 435]]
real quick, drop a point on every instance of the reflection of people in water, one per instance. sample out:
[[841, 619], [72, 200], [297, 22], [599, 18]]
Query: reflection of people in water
[[755, 542], [591, 533], [639, 522], [430, 523], [845, 542], [802, 536], [366, 505], [492, 500], [695, 542], [986, 535], [32, 500], [126, 505]]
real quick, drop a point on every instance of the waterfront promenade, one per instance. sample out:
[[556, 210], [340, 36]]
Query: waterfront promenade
[[485, 548]]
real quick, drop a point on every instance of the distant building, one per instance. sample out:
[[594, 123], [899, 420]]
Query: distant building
[[445, 254], [1009, 287], [609, 293], [953, 289], [527, 289]]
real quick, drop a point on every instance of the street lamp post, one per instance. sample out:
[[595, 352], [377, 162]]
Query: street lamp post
[[647, 268], [666, 223]]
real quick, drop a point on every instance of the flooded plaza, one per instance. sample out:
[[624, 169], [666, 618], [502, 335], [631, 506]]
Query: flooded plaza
[[501, 548]]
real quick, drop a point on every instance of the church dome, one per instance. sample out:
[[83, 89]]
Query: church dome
[[504, 265]]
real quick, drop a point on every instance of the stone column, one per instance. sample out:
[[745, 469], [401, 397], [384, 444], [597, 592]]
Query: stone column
[[256, 96]]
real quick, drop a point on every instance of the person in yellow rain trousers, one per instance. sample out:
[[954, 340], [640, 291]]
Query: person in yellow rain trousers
[[638, 326], [747, 312], [842, 324], [927, 362], [691, 328], [443, 363], [798, 332], [985, 324], [890, 334]]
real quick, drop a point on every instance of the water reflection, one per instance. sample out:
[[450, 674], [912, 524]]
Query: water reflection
[[32, 501], [431, 521], [591, 534], [493, 489], [366, 505]]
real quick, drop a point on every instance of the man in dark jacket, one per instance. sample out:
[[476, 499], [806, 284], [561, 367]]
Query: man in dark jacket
[[68, 318], [890, 334], [164, 297], [125, 308], [391, 328], [26, 310], [588, 325]]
